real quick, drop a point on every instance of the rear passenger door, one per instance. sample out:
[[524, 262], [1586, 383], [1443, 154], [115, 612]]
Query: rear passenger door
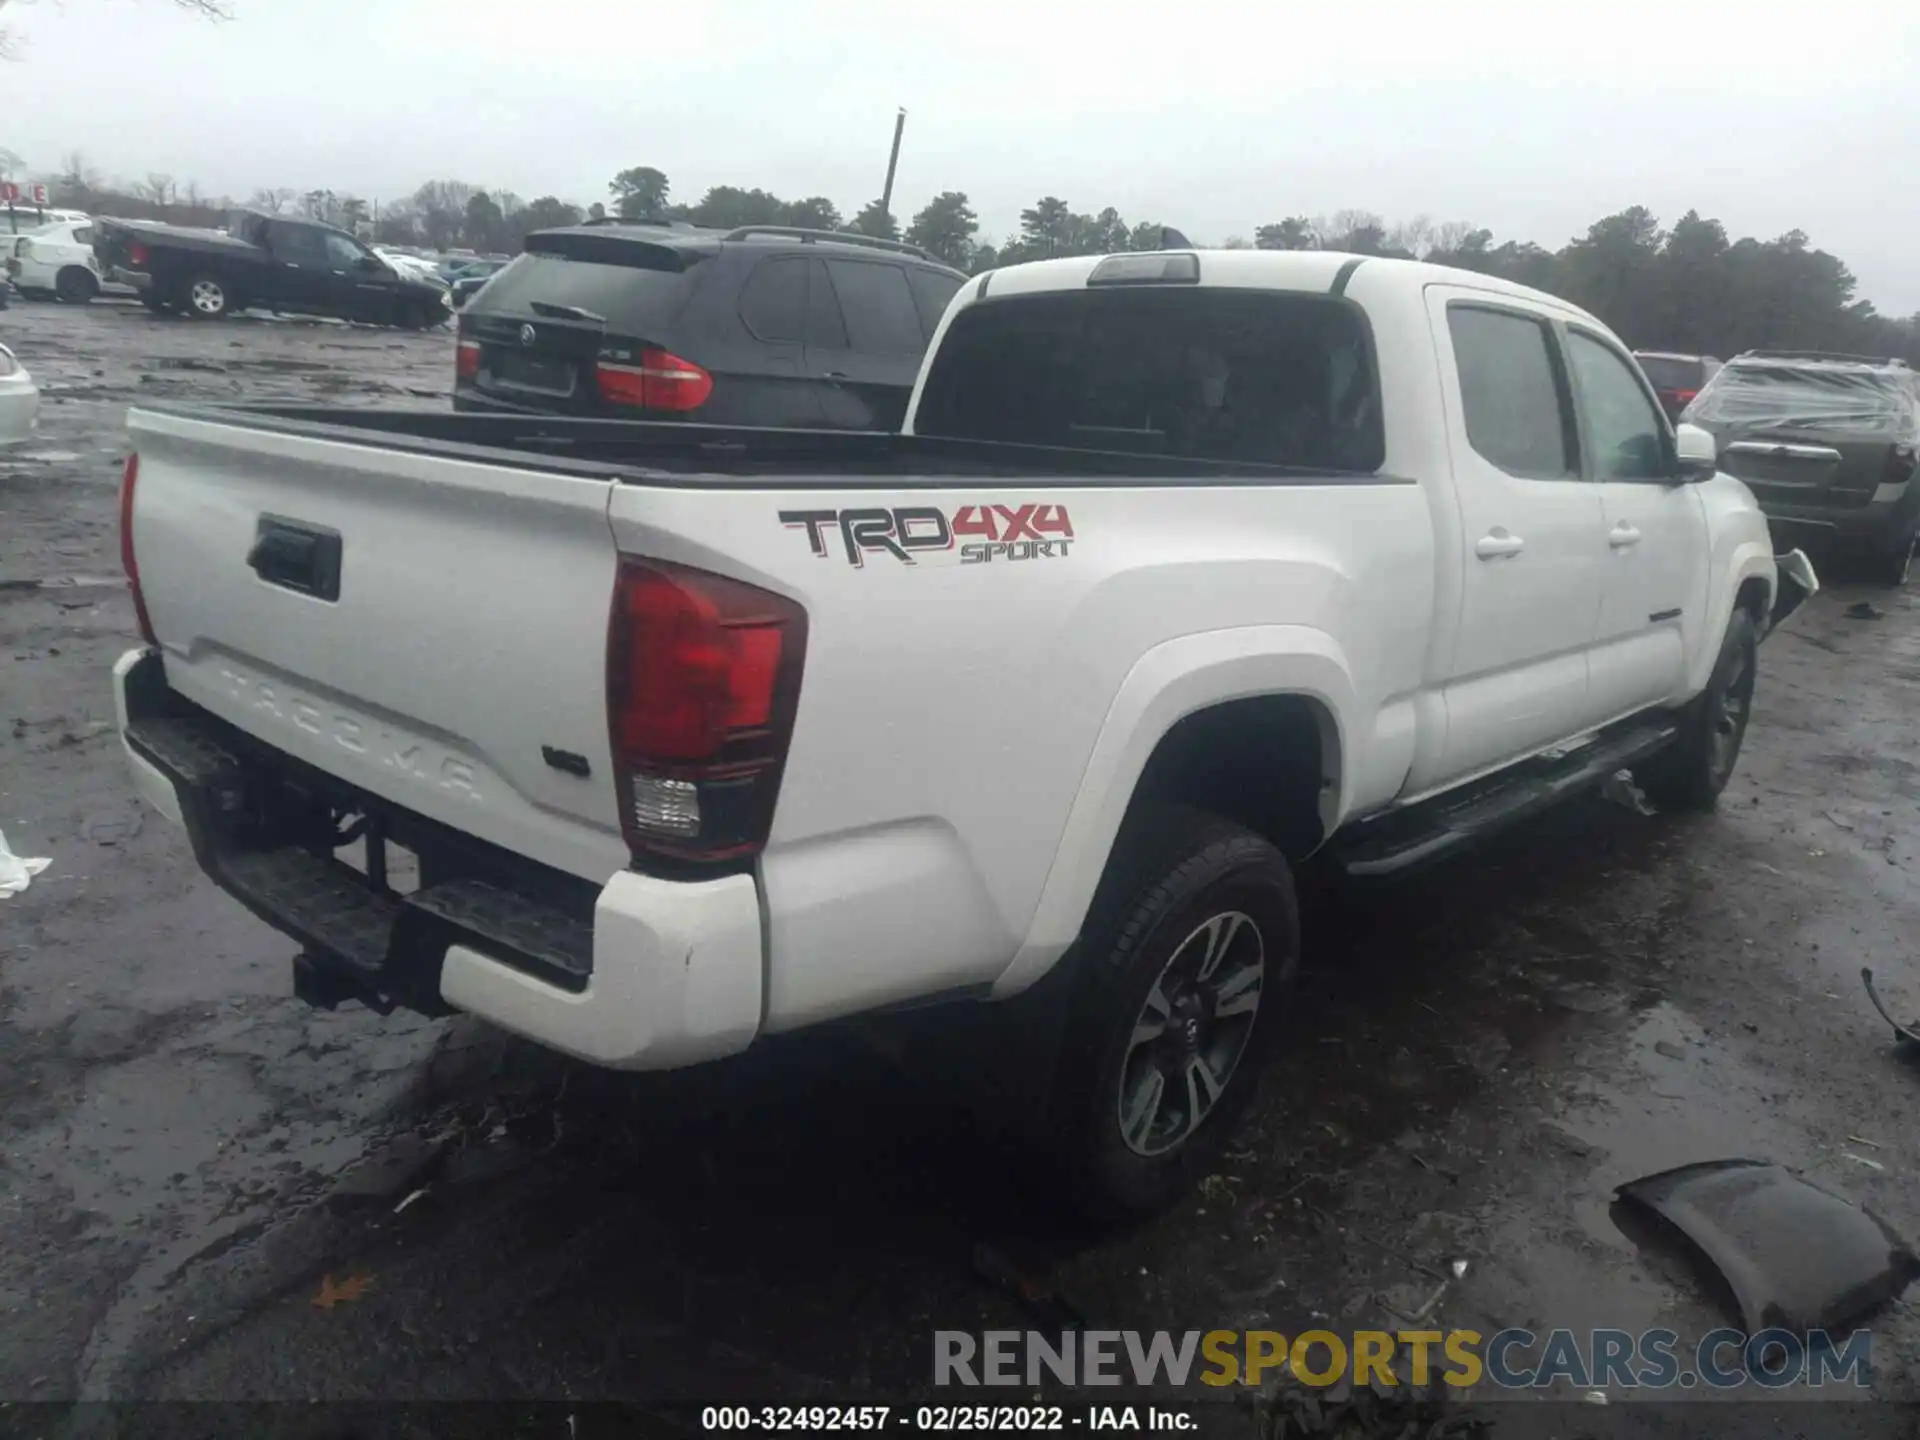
[[1654, 593], [864, 341], [302, 274], [1531, 535], [771, 386]]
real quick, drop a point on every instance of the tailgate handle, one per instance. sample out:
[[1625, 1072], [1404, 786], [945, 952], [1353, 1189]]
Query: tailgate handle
[[297, 556]]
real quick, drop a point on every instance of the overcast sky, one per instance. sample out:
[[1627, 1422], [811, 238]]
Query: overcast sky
[[1211, 117]]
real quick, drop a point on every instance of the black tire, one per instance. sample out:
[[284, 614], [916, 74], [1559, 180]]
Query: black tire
[[76, 285], [205, 297], [1891, 567], [1176, 882], [157, 304], [1691, 773]]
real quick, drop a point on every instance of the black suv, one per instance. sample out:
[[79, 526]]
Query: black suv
[[1827, 445], [764, 325], [1676, 379]]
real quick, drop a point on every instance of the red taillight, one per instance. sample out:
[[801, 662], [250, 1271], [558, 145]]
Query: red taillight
[[127, 562], [137, 255], [1682, 397], [466, 360], [703, 674], [661, 381]]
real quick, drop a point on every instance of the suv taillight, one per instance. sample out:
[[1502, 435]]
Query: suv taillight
[[466, 359], [661, 381], [137, 255], [1899, 467], [703, 677], [129, 477]]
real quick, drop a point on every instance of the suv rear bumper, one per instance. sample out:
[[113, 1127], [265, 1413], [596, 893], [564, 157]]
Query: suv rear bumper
[[648, 974], [1879, 526]]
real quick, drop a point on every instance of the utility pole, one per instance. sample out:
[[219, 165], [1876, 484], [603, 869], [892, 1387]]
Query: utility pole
[[893, 161]]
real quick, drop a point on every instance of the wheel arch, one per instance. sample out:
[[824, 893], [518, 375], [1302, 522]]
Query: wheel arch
[[1190, 717]]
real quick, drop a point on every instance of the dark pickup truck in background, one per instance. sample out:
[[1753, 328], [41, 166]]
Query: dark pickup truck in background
[[266, 262]]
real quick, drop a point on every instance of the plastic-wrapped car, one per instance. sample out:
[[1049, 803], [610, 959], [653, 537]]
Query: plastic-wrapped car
[[1827, 443], [19, 400]]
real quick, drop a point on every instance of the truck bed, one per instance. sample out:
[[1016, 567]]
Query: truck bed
[[677, 455]]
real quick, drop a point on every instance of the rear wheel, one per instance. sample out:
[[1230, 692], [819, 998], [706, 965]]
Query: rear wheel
[[1691, 773], [76, 285], [154, 303], [1192, 939], [205, 297]]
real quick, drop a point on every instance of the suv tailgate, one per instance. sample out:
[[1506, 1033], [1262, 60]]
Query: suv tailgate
[[467, 636]]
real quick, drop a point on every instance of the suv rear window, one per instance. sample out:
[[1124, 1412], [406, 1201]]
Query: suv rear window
[[1665, 373], [630, 284], [1863, 402], [1208, 374]]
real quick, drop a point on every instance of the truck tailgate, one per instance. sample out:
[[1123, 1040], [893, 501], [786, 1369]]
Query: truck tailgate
[[452, 661]]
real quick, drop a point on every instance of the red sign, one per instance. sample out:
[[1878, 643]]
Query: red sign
[[40, 195], [9, 192]]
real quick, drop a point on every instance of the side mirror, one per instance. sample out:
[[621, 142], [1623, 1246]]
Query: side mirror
[[373, 263], [1696, 451]]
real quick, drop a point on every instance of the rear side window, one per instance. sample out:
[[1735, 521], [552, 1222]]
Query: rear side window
[[83, 234], [633, 286], [1510, 392], [1664, 373], [1228, 375], [931, 292], [774, 302], [878, 306]]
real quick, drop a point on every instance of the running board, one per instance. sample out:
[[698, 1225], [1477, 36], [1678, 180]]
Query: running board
[[1404, 840]]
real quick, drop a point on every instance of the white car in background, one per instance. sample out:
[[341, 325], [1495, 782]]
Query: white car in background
[[55, 259], [19, 400]]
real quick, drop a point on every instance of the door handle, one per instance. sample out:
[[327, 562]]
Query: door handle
[[1623, 535], [1499, 545]]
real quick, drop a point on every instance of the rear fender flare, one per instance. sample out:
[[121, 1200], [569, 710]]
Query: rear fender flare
[[1171, 681]]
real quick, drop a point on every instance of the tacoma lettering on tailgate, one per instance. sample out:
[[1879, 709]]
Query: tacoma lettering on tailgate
[[402, 754], [910, 533]]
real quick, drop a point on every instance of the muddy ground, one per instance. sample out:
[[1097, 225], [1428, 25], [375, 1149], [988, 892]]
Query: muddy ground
[[190, 1160]]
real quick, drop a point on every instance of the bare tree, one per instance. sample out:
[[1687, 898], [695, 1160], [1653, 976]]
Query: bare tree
[[208, 9], [157, 189]]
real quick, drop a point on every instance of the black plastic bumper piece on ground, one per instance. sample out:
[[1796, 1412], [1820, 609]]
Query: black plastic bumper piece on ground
[[1408, 840], [358, 941]]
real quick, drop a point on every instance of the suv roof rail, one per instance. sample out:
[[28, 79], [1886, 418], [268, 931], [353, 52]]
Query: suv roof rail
[[1822, 355], [838, 237]]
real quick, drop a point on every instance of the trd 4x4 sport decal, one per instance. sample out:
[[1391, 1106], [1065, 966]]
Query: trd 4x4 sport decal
[[911, 533]]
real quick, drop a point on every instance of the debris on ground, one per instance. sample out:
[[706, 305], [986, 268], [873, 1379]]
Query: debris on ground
[[351, 1288], [1040, 1299], [111, 828], [1910, 1033], [17, 871], [1621, 790], [1864, 610], [1793, 1255]]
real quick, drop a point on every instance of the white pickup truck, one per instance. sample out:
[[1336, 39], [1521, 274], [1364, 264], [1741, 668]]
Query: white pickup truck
[[1189, 566]]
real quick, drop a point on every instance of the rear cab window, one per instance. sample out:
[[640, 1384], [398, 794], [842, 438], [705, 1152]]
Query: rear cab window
[[1209, 374], [633, 285]]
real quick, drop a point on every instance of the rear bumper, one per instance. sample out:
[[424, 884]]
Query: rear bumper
[[648, 974], [1879, 526], [133, 279]]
